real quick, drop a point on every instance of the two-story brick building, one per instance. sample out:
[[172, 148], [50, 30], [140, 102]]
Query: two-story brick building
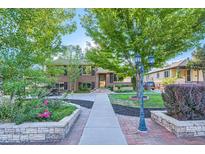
[[91, 77]]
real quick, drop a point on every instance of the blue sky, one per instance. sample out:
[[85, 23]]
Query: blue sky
[[79, 38]]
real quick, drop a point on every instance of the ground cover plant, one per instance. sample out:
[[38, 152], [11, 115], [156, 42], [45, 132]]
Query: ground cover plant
[[36, 110]]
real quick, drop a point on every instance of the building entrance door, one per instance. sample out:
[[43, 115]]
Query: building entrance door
[[102, 80]]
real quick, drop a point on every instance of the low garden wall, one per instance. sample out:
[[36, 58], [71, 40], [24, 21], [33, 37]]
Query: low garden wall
[[37, 132], [187, 128]]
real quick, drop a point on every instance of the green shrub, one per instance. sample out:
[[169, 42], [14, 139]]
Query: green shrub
[[167, 81], [124, 91], [84, 88], [122, 85], [8, 111], [110, 87], [185, 101]]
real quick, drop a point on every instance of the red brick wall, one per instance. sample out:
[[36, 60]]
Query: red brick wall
[[62, 78], [86, 79]]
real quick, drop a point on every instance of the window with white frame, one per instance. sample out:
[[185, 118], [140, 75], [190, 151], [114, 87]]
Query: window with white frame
[[166, 73]]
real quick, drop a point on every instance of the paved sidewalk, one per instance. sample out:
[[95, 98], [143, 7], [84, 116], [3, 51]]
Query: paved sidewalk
[[156, 135], [102, 127]]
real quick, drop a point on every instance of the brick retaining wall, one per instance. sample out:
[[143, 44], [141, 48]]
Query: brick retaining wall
[[37, 131]]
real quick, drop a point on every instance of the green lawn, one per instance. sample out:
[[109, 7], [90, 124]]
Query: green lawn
[[155, 100]]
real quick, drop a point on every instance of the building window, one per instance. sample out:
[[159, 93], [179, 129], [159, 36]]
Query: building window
[[166, 73], [111, 78], [60, 85], [65, 86], [93, 85], [87, 70], [84, 85], [157, 75], [115, 77], [188, 75]]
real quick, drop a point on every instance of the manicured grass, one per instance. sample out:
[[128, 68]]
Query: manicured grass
[[154, 101]]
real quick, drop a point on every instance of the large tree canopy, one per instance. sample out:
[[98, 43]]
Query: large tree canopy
[[198, 61], [121, 33], [28, 38]]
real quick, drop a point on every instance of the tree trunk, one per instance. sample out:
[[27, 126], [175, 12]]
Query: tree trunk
[[136, 84], [71, 87], [133, 80], [12, 97]]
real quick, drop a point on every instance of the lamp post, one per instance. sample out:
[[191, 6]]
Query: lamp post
[[138, 61]]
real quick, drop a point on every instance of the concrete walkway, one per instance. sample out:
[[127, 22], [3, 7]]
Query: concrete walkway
[[102, 127]]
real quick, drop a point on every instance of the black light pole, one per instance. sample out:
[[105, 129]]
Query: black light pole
[[142, 125]]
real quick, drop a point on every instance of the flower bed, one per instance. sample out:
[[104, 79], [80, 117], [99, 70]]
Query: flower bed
[[35, 110], [37, 121]]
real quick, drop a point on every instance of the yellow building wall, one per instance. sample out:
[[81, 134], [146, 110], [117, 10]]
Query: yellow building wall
[[173, 73]]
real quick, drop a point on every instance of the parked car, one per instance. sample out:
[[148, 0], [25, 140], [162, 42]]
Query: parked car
[[149, 85]]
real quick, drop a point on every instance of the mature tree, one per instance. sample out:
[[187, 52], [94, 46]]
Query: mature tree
[[28, 38], [74, 56], [198, 61], [121, 33]]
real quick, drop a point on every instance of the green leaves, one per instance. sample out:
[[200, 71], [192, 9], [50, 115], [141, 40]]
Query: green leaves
[[30, 37], [198, 61], [73, 54], [163, 33]]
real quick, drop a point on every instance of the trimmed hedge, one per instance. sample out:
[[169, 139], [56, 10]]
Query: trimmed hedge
[[185, 101]]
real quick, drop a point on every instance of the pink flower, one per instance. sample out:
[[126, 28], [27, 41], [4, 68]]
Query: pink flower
[[40, 115], [45, 102]]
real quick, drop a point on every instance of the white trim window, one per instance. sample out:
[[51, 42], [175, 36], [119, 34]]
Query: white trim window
[[167, 73]]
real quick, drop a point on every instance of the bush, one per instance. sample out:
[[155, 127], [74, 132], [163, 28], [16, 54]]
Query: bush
[[84, 88], [122, 85], [8, 111], [110, 87], [124, 91], [185, 101], [167, 81]]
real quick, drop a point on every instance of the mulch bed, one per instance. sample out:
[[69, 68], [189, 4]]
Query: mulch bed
[[132, 111], [83, 103]]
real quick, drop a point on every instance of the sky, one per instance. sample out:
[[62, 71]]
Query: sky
[[79, 38]]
